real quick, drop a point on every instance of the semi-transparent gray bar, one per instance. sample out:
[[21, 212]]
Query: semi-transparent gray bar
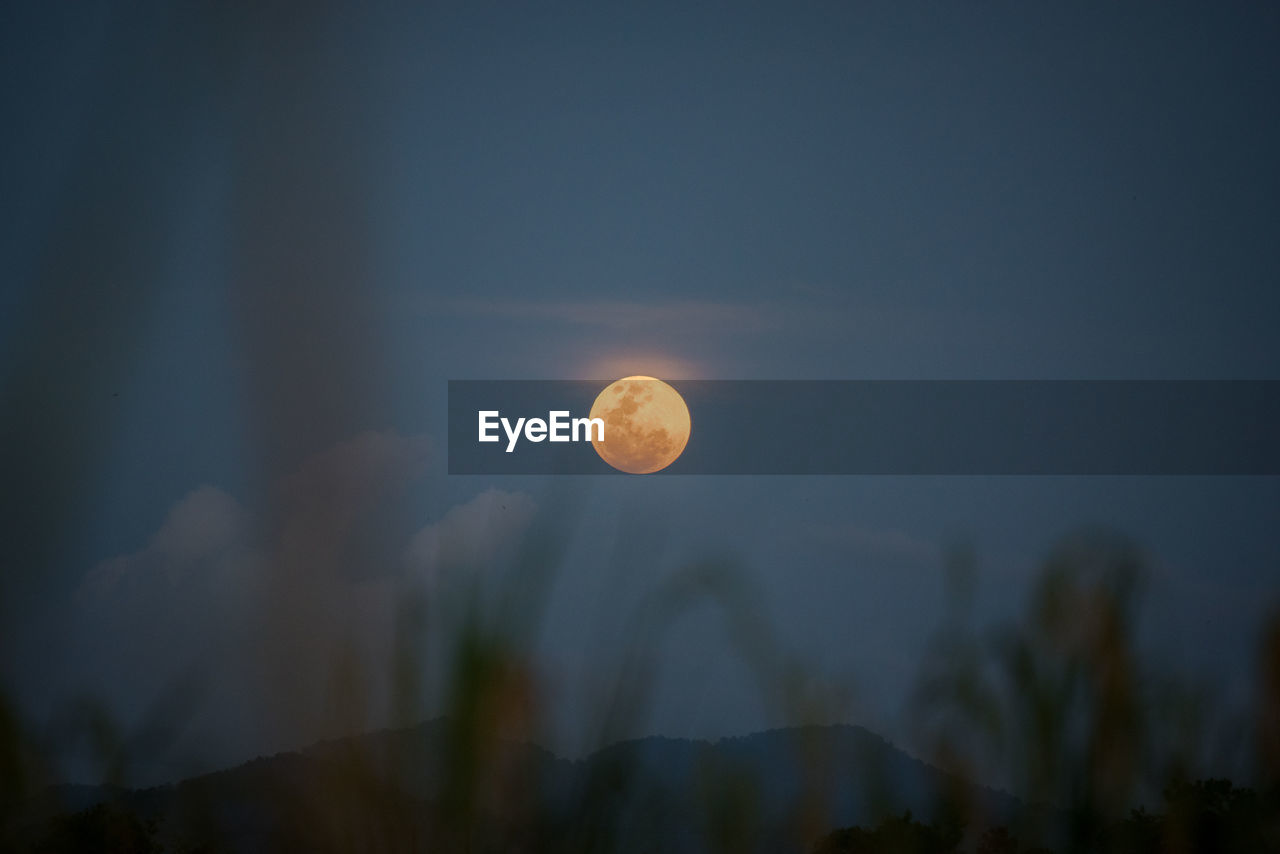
[[872, 427]]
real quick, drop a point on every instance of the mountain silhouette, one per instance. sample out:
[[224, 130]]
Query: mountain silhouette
[[776, 791]]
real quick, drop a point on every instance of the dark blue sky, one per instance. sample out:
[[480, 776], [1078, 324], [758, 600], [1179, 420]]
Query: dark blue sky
[[236, 242]]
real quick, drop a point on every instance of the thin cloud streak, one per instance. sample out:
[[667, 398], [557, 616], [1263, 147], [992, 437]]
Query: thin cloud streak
[[618, 314]]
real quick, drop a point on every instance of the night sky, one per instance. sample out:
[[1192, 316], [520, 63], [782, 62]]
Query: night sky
[[244, 251]]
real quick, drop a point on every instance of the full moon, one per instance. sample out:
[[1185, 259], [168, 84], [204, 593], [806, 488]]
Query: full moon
[[646, 424]]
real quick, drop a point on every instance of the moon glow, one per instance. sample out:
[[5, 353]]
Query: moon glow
[[646, 424]]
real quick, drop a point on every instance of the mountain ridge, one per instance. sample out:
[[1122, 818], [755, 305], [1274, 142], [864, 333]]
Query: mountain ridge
[[779, 788]]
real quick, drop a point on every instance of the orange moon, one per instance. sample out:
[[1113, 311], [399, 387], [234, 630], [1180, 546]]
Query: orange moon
[[646, 424]]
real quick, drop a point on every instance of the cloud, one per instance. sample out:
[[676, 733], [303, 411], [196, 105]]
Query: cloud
[[272, 606], [199, 534], [610, 366], [204, 523], [313, 516], [473, 535], [621, 315]]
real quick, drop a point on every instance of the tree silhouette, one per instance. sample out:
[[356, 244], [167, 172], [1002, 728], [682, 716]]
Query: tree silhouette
[[898, 835], [105, 828], [1202, 816]]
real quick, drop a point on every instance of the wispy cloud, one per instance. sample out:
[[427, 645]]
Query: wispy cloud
[[737, 317]]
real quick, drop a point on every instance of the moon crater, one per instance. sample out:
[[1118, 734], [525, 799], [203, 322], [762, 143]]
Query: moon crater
[[646, 424]]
